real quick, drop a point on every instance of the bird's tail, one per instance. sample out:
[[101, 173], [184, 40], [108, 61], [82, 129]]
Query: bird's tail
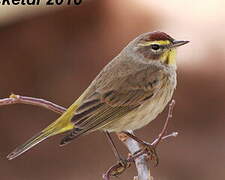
[[59, 126], [62, 124]]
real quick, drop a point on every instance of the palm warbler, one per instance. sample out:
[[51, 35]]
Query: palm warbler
[[127, 94]]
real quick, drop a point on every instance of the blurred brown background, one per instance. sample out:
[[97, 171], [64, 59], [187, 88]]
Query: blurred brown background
[[55, 55]]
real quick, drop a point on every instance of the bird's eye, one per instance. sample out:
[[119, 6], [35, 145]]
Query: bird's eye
[[155, 47]]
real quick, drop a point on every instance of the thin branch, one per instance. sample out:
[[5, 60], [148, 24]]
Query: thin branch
[[173, 134], [169, 116], [17, 99]]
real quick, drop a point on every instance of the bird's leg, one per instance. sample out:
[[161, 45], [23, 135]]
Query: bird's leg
[[122, 163], [147, 147], [114, 149], [118, 156]]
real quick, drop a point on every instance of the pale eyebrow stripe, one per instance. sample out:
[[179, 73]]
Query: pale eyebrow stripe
[[160, 42]]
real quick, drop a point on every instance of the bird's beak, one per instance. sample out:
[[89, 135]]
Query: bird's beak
[[178, 43]]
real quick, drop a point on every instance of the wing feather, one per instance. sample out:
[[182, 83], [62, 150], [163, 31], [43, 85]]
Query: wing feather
[[114, 100]]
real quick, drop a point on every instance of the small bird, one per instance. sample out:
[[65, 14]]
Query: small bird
[[127, 94]]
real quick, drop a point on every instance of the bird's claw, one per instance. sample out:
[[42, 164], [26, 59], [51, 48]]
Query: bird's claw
[[150, 151], [119, 168]]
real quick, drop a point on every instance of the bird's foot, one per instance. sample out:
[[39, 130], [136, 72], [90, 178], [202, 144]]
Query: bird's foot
[[151, 153], [124, 163], [119, 168], [149, 150]]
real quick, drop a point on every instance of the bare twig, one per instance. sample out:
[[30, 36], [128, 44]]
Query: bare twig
[[17, 99], [133, 146], [169, 116]]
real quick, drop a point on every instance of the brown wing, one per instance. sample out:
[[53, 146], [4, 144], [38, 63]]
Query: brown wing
[[114, 100]]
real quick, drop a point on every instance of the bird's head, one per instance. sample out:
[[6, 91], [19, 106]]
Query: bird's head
[[157, 46]]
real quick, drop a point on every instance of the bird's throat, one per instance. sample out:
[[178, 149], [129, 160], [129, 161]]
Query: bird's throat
[[169, 57]]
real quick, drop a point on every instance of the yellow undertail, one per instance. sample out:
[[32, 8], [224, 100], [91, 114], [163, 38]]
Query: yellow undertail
[[62, 124]]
